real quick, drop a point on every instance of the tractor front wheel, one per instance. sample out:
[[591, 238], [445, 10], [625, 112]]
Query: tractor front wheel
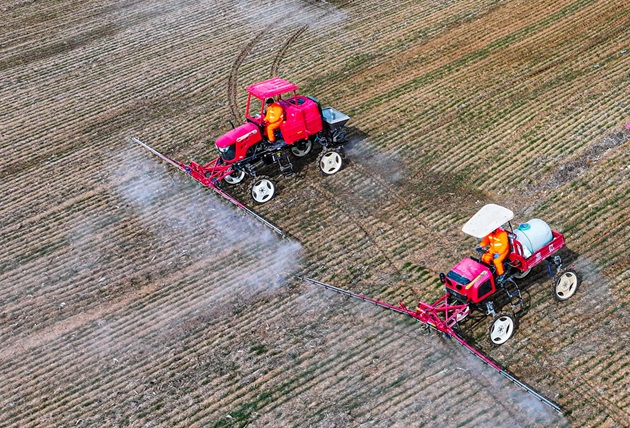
[[329, 162], [234, 177], [565, 285], [502, 328], [262, 189]]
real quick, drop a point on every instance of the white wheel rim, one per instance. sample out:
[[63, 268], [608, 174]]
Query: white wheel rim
[[502, 330], [234, 179], [262, 191], [302, 152], [521, 275], [566, 286], [463, 314], [330, 163]]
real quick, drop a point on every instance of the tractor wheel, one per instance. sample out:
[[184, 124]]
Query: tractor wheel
[[262, 189], [301, 148], [565, 285], [503, 327], [329, 162], [234, 178], [522, 275], [463, 314]]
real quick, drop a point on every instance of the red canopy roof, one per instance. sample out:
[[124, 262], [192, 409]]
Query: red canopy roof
[[271, 88]]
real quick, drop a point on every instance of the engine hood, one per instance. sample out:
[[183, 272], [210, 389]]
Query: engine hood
[[246, 132], [467, 270], [470, 279]]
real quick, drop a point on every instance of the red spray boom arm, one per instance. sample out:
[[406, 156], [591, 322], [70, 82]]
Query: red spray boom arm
[[430, 316], [209, 175]]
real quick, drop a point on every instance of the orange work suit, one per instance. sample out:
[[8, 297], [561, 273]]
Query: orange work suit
[[273, 119], [498, 251]]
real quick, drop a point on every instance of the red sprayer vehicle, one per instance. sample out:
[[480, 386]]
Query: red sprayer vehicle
[[472, 286], [245, 150]]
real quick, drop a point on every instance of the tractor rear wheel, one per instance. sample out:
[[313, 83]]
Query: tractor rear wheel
[[262, 189], [329, 162], [234, 178], [522, 275], [301, 148], [565, 285], [502, 328]]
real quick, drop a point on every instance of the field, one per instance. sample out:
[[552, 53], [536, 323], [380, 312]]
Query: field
[[133, 296]]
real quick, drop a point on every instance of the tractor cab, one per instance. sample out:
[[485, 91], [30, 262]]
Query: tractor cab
[[472, 281], [302, 120], [302, 115], [257, 93]]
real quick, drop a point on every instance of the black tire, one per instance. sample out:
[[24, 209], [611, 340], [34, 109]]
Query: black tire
[[565, 285], [521, 275], [330, 162], [262, 189], [301, 148], [502, 328]]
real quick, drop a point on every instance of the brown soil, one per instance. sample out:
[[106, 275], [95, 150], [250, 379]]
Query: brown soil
[[133, 296]]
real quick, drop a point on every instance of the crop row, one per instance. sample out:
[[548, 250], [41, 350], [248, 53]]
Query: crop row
[[193, 326]]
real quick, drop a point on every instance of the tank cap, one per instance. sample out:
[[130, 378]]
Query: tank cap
[[524, 226]]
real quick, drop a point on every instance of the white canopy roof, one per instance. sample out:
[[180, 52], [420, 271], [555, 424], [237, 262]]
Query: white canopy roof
[[487, 219]]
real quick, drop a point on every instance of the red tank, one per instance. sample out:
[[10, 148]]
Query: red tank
[[302, 119]]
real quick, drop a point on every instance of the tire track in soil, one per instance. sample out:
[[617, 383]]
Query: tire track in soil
[[401, 201], [285, 47], [339, 205], [390, 191], [233, 77]]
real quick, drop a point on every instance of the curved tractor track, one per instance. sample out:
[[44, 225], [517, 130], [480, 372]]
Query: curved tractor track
[[275, 66], [132, 296], [282, 51], [233, 77]]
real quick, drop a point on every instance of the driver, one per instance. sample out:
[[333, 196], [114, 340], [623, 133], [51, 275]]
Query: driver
[[498, 249], [273, 119]]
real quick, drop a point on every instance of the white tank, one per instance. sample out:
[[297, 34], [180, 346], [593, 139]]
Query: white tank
[[534, 235]]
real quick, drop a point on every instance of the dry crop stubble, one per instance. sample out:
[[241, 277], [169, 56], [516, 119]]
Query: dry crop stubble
[[181, 342], [198, 222]]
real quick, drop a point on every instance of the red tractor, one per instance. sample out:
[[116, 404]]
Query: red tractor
[[474, 286], [245, 149]]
